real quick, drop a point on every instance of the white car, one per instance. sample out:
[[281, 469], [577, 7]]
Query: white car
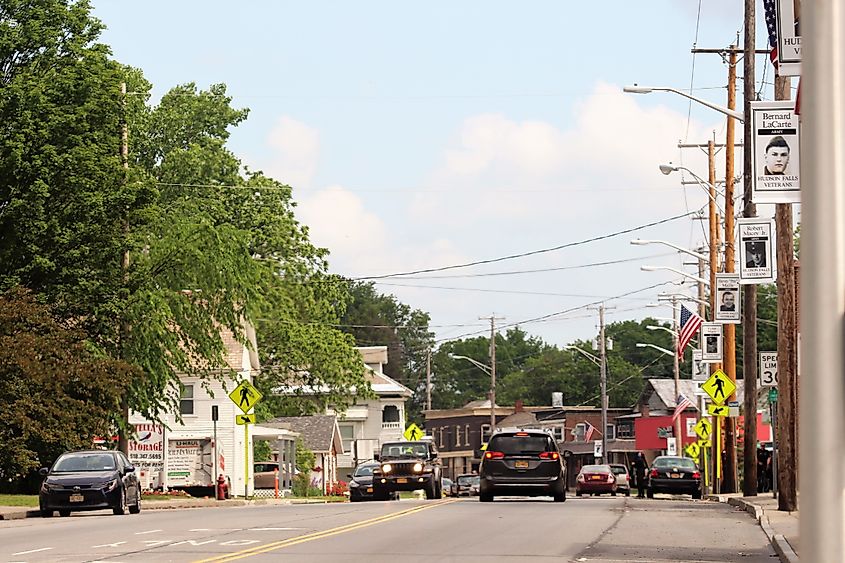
[[623, 478]]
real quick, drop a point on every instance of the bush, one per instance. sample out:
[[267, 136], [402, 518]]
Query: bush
[[339, 489], [302, 486]]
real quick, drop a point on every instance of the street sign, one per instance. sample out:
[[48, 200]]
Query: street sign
[[719, 387], [733, 411], [711, 338], [245, 396], [704, 443], [773, 395], [671, 447], [241, 419], [413, 432], [597, 452], [693, 450], [717, 410], [703, 428], [768, 369]]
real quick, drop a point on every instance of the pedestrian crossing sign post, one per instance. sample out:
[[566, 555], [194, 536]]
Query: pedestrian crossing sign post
[[719, 387], [245, 396], [413, 432]]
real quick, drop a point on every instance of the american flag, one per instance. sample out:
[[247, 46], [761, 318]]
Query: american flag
[[690, 322], [588, 434], [771, 9], [683, 402]]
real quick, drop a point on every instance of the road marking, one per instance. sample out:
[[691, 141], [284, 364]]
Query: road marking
[[147, 532], [260, 549], [33, 551], [115, 544], [273, 529]]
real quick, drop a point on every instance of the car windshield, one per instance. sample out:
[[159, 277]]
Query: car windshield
[[469, 480], [618, 469], [521, 445], [364, 470], [85, 462], [681, 462], [595, 469], [404, 450]]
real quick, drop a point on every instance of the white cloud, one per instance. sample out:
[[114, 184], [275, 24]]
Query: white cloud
[[296, 148]]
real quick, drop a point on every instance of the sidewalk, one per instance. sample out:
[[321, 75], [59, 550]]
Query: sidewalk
[[780, 527], [21, 512]]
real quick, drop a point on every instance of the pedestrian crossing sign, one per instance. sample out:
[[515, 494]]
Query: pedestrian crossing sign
[[719, 387], [693, 450], [413, 432], [703, 428], [245, 396]]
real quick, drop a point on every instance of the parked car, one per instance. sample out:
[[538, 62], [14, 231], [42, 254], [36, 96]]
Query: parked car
[[677, 475], [466, 485], [623, 478], [595, 480], [446, 486], [361, 482], [264, 474], [522, 462], [90, 480]]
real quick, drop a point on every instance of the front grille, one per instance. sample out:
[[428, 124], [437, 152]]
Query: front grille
[[403, 469]]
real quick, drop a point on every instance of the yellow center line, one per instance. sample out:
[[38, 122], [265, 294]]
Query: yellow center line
[[259, 549]]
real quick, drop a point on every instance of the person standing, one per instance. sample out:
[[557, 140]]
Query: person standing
[[639, 466]]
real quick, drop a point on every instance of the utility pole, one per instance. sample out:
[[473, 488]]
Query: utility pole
[[749, 309], [822, 299], [787, 335], [677, 373], [428, 380], [492, 318], [123, 435], [730, 477], [603, 350]]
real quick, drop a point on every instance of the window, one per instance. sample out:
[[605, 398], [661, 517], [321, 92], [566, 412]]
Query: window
[[347, 435], [186, 400], [558, 433], [458, 435], [611, 431], [441, 431], [485, 433], [579, 431], [466, 435], [390, 414], [624, 430]]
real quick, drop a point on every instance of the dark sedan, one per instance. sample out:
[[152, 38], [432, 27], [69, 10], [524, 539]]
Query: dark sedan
[[674, 475], [361, 482], [90, 480]]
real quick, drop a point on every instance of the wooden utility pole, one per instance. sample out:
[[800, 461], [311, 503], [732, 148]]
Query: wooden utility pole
[[428, 380], [749, 321], [787, 336], [123, 435], [729, 484], [603, 349], [492, 318]]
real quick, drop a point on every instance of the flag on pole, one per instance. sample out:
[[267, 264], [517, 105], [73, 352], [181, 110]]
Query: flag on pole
[[690, 323], [588, 433], [682, 403], [771, 9]]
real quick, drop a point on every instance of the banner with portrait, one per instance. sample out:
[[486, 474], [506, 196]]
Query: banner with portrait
[[757, 252], [711, 343], [789, 37], [775, 150], [728, 303]]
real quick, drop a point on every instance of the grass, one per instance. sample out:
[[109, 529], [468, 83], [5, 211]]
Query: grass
[[18, 500]]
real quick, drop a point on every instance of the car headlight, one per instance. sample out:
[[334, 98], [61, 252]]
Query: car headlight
[[46, 487], [110, 485], [353, 484], [386, 468], [418, 467]]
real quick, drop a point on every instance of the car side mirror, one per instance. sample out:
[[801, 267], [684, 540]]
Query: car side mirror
[[349, 475], [375, 457], [43, 471], [130, 469]]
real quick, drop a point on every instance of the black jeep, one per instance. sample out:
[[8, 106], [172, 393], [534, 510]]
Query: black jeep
[[408, 466]]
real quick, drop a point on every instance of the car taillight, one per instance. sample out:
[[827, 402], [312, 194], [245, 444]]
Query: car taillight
[[696, 475], [493, 455], [580, 477], [653, 473], [549, 455], [611, 478]]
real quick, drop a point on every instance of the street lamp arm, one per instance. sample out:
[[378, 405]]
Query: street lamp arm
[[483, 367], [739, 116], [667, 329], [677, 271], [586, 354], [656, 347], [672, 245]]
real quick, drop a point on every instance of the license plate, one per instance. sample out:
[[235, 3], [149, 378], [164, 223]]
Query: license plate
[[401, 480], [369, 489], [521, 464], [76, 498], [675, 475], [596, 477]]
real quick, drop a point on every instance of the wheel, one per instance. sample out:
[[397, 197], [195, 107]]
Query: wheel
[[354, 499], [613, 493], [560, 497], [431, 489], [627, 492], [120, 509], [485, 497], [649, 493], [136, 508], [64, 513], [46, 513], [578, 493]]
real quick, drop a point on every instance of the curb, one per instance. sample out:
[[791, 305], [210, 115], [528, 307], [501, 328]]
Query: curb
[[779, 543]]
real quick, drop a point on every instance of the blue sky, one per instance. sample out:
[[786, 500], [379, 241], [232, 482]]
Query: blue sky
[[420, 135]]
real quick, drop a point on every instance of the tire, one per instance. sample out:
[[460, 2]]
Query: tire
[[64, 513], [120, 509], [613, 493], [578, 493], [696, 495], [485, 497], [46, 513], [627, 492], [136, 508], [431, 489], [649, 492]]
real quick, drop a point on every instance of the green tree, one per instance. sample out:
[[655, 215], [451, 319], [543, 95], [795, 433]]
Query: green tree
[[56, 394]]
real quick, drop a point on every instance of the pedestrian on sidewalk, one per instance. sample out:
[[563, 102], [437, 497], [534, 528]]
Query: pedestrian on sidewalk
[[640, 467]]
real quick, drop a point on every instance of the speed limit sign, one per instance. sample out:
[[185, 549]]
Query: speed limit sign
[[768, 369]]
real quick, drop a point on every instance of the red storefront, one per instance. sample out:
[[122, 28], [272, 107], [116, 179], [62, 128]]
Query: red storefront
[[647, 431]]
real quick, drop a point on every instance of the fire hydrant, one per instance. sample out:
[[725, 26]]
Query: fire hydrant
[[222, 488]]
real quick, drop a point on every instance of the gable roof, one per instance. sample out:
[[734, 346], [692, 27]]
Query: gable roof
[[319, 431], [664, 389], [384, 385], [520, 419]]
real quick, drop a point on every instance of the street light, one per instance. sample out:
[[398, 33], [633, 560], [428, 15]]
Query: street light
[[601, 362], [682, 297], [667, 169], [489, 371], [649, 89], [656, 347], [677, 271], [666, 328], [641, 242]]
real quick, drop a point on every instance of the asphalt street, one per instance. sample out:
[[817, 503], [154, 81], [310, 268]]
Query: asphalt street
[[589, 529]]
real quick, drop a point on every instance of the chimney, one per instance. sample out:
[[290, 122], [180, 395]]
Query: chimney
[[644, 410], [517, 406]]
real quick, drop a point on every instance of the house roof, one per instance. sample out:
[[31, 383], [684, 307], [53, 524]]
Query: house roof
[[235, 350], [519, 420], [384, 385], [318, 431], [373, 354], [665, 390]]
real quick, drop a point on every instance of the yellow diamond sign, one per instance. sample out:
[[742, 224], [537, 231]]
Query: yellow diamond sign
[[719, 387], [703, 429], [413, 432], [245, 396], [693, 450]]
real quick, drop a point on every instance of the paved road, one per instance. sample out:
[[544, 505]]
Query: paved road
[[591, 529]]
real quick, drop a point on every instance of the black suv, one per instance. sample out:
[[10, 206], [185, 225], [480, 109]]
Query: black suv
[[407, 466], [522, 462]]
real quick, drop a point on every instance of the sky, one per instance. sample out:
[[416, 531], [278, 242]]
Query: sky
[[419, 136]]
